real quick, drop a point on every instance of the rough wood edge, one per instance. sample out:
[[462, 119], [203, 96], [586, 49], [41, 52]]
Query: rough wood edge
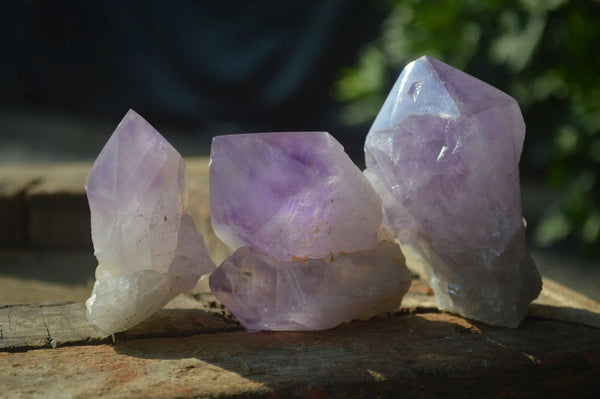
[[423, 355], [33, 326]]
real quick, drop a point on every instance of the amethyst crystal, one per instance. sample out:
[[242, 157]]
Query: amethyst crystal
[[147, 247], [444, 153], [312, 294], [290, 195], [305, 223]]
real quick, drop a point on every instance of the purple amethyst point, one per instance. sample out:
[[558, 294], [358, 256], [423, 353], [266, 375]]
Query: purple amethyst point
[[147, 247], [290, 195], [443, 153]]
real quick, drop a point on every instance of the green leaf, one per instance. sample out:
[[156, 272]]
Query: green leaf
[[553, 228]]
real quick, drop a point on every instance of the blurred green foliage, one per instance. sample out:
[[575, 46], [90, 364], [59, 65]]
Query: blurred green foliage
[[545, 53]]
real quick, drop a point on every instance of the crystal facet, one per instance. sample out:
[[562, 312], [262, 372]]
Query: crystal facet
[[290, 195], [443, 153], [147, 247], [304, 222], [313, 294]]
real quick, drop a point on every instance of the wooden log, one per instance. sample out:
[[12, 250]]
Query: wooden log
[[51, 325], [13, 211], [416, 355], [194, 348], [29, 326]]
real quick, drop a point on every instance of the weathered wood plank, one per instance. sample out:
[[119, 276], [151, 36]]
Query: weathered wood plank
[[51, 197], [29, 326], [558, 302], [418, 355], [13, 213], [35, 276], [188, 349]]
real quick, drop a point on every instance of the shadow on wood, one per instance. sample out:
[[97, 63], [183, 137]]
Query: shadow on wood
[[429, 354]]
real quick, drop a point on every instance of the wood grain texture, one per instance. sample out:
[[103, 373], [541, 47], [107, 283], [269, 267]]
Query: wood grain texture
[[48, 203], [194, 348], [30, 326], [416, 355], [34, 326]]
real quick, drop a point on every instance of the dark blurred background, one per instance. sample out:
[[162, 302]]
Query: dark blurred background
[[70, 70], [203, 68]]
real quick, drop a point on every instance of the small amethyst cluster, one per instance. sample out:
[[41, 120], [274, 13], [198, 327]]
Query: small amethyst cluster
[[316, 241]]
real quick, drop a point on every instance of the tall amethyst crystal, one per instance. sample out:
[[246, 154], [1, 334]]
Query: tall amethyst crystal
[[304, 222], [147, 247], [443, 153]]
